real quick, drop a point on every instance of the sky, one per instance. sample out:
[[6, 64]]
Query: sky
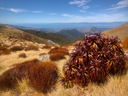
[[62, 11]]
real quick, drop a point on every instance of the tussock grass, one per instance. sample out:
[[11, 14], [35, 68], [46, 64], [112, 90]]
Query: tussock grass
[[125, 43], [31, 48], [5, 52], [57, 56], [2, 48], [46, 47], [23, 55], [43, 76], [59, 50], [16, 48]]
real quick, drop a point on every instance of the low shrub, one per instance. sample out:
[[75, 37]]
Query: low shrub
[[43, 76], [46, 47], [59, 50], [42, 54], [8, 80], [5, 52], [16, 48], [57, 56], [22, 55], [31, 48], [2, 48], [93, 59]]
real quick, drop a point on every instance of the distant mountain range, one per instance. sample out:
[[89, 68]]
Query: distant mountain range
[[72, 34], [91, 30], [63, 37]]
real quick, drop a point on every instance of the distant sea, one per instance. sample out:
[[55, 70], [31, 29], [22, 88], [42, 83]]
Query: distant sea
[[73, 25]]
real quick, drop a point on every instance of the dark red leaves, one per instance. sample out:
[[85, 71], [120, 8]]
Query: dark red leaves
[[93, 59]]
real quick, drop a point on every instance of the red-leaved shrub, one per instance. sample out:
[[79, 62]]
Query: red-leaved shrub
[[93, 59]]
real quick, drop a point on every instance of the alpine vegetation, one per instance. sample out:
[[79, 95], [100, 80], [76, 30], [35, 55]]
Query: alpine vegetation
[[92, 60]]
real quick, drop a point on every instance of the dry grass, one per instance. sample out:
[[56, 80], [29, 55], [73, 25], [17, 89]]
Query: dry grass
[[120, 31], [23, 55], [31, 48], [16, 48], [116, 86]]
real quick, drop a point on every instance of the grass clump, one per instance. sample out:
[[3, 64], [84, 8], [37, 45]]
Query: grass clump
[[2, 48], [43, 76], [23, 55], [57, 56], [31, 48], [46, 47], [59, 50], [40, 76], [16, 48]]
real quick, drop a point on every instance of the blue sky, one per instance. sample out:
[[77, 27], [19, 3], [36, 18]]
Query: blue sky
[[62, 11]]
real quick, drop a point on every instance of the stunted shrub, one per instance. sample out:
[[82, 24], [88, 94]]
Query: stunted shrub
[[31, 48], [16, 48], [93, 59], [57, 56], [46, 47], [8, 80], [5, 52], [22, 55], [42, 54], [59, 50], [2, 48], [125, 43], [43, 76]]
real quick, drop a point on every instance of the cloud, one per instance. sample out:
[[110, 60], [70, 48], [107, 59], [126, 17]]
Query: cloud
[[16, 10], [2, 8], [79, 2], [119, 5], [67, 15], [37, 11], [86, 7], [99, 17], [52, 13], [82, 11]]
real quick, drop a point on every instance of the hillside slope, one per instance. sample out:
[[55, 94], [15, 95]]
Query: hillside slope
[[120, 31], [59, 39], [10, 32], [72, 34]]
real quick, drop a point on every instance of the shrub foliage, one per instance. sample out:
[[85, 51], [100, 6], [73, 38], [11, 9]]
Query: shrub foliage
[[93, 59], [16, 48], [22, 55], [42, 76]]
